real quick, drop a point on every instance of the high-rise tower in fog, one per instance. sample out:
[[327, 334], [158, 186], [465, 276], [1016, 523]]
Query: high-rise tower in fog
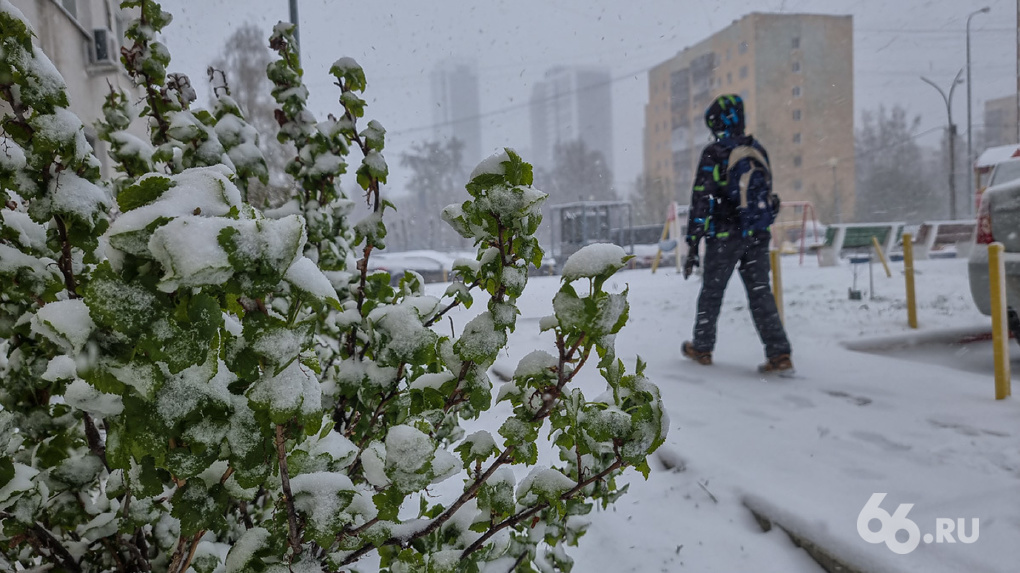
[[572, 103], [455, 107]]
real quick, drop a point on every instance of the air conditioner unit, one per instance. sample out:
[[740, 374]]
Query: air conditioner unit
[[104, 47]]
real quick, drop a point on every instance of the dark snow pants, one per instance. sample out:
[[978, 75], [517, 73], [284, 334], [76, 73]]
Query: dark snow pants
[[752, 254]]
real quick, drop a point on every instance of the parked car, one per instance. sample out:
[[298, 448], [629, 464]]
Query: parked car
[[998, 220], [1004, 171]]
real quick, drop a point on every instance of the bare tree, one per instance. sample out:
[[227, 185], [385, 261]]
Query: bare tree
[[651, 199], [893, 182], [578, 174], [438, 175], [241, 70]]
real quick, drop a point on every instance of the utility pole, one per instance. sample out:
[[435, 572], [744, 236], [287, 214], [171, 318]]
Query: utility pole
[[970, 152], [297, 30], [837, 202], [952, 137]]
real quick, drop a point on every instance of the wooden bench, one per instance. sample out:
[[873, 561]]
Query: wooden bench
[[934, 236], [858, 236]]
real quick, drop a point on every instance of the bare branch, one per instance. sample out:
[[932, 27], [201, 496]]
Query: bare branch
[[46, 538], [511, 521], [294, 538]]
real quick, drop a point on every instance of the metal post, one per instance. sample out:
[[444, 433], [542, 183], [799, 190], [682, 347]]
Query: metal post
[[1000, 329], [970, 152], [297, 31], [952, 171], [838, 204], [908, 271], [952, 137]]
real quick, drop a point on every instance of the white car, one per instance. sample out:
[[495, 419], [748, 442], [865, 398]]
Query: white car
[[998, 220]]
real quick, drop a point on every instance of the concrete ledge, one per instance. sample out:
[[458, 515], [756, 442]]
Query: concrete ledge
[[960, 335], [825, 559]]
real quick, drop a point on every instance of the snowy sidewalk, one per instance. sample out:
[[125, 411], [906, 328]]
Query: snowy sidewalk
[[813, 449], [810, 451]]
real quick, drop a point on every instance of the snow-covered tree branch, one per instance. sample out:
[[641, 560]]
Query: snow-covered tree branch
[[191, 384]]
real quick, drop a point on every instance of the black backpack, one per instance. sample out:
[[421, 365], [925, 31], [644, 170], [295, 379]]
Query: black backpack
[[749, 189]]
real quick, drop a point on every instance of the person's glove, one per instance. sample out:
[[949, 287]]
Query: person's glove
[[690, 261], [775, 203]]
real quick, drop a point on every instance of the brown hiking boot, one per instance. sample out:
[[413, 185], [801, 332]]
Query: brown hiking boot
[[780, 364], [698, 356]]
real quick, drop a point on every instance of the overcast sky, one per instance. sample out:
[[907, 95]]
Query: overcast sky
[[514, 42]]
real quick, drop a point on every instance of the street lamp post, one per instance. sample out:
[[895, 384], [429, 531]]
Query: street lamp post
[[952, 139], [970, 152], [297, 31], [837, 203]]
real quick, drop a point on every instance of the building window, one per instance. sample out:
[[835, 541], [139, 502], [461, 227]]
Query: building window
[[729, 78], [742, 49], [797, 184], [796, 115], [795, 43], [797, 161], [743, 72], [745, 95], [727, 54], [71, 6], [796, 91], [796, 138], [795, 67]]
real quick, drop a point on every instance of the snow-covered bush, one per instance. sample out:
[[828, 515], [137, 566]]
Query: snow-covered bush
[[191, 384]]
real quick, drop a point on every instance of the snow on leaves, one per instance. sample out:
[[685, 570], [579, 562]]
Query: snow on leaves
[[220, 389]]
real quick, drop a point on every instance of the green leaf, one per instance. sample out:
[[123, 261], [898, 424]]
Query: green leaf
[[199, 508], [145, 191], [151, 480], [388, 503], [6, 470]]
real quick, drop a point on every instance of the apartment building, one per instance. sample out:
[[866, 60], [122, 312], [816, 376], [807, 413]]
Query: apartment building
[[82, 38], [456, 108], [572, 103], [1000, 126], [795, 75]]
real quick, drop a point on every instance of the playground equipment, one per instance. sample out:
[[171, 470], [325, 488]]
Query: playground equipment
[[672, 235], [581, 223], [791, 232]]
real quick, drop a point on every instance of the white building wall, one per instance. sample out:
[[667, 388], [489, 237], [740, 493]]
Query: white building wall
[[64, 32]]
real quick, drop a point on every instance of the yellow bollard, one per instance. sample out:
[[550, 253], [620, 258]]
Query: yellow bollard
[[1000, 332], [777, 281], [881, 255], [908, 270], [658, 252]]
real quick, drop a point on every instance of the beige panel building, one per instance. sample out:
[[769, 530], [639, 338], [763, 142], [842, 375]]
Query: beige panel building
[[795, 75], [82, 38], [1000, 122]]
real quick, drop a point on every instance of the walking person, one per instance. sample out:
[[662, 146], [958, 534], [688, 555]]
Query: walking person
[[732, 206]]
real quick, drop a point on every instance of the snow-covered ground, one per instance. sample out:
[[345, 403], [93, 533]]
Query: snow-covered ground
[[912, 419]]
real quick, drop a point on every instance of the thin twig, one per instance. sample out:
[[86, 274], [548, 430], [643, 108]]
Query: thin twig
[[712, 497], [293, 538], [191, 553], [433, 525], [94, 439], [66, 263], [449, 307], [510, 521]]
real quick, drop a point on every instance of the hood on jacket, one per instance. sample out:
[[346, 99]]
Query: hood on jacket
[[725, 117]]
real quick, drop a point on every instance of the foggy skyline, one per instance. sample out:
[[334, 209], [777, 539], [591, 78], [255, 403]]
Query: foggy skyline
[[514, 43]]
